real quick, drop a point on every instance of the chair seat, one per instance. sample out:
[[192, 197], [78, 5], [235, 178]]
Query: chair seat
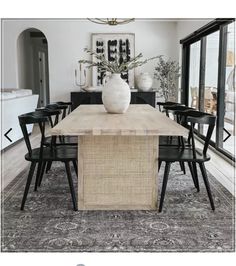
[[58, 153], [66, 140], [172, 154]]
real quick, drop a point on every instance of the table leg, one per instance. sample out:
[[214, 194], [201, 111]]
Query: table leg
[[117, 172]]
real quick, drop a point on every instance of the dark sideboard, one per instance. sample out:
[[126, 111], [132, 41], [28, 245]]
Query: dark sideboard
[[78, 98]]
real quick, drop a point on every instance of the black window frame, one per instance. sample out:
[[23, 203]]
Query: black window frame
[[201, 34]]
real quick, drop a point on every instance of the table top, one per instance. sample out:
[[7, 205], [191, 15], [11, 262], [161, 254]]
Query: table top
[[139, 120]]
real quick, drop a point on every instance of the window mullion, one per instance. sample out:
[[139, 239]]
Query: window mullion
[[221, 86], [202, 74], [185, 74]]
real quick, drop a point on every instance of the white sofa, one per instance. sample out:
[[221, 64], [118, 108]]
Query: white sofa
[[15, 102]]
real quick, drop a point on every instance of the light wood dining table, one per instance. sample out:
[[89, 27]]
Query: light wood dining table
[[118, 155]]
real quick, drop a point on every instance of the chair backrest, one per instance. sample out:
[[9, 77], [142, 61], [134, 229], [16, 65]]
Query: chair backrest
[[53, 111], [58, 106], [174, 109], [162, 104], [68, 104], [36, 117], [196, 117]]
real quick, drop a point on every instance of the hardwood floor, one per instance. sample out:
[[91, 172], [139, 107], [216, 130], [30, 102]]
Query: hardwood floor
[[13, 159]]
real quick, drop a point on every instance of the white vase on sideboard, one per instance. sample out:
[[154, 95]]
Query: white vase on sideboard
[[116, 94], [144, 81]]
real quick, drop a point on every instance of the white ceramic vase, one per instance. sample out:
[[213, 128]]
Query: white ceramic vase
[[116, 95], [144, 82]]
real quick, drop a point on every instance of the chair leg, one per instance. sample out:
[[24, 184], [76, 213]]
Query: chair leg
[[37, 176], [182, 142], [179, 141], [192, 174], [27, 186], [49, 165], [159, 165], [75, 167], [70, 181], [207, 184], [165, 179], [196, 175], [182, 167], [41, 174]]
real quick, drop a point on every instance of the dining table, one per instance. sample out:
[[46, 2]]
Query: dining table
[[118, 155]]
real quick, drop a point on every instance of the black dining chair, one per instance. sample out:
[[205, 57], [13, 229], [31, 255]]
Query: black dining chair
[[191, 155], [45, 154], [59, 107], [51, 107], [60, 140], [174, 109], [174, 141], [161, 105], [48, 141], [68, 104], [70, 140], [50, 111]]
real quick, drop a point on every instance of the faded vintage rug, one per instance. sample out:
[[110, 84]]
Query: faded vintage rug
[[48, 223]]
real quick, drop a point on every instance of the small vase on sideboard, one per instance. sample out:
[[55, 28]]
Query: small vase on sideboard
[[144, 81]]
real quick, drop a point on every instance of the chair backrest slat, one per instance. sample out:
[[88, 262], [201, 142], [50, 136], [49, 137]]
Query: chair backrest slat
[[36, 117], [163, 104], [68, 104], [50, 110], [175, 109], [196, 117]]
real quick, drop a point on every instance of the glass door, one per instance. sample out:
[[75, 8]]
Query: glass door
[[209, 58], [209, 104], [194, 66], [230, 92]]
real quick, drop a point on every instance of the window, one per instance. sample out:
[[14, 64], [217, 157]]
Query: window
[[208, 79], [229, 114], [194, 66], [209, 105]]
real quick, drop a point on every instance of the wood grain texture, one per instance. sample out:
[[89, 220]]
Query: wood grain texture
[[139, 120], [117, 172]]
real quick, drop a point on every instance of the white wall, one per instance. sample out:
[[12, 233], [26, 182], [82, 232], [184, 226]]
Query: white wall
[[66, 40], [25, 61], [188, 26], [183, 29]]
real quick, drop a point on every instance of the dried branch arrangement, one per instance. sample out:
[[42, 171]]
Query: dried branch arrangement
[[114, 66]]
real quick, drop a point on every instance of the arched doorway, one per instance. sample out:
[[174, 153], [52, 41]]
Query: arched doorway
[[32, 52]]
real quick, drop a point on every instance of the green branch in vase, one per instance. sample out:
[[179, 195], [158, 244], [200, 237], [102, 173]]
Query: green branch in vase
[[115, 66]]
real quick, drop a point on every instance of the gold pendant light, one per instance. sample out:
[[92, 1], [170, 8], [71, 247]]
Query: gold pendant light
[[111, 21]]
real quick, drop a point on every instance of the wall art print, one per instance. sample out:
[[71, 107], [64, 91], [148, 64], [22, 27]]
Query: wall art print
[[112, 45]]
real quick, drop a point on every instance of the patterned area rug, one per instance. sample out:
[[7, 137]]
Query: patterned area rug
[[48, 223]]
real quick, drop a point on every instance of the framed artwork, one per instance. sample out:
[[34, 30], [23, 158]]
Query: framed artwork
[[111, 45]]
